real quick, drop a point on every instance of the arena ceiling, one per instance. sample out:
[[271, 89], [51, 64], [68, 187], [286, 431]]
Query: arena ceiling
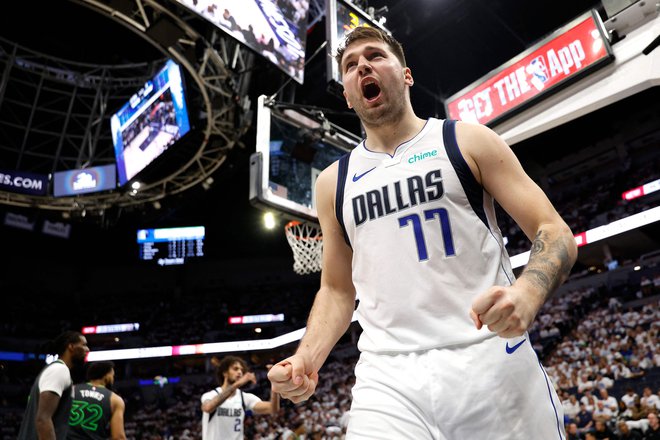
[[449, 44]]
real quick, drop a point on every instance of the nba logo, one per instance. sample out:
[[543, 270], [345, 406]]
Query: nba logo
[[539, 72]]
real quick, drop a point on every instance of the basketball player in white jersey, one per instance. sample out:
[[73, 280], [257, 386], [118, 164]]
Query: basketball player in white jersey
[[224, 408], [409, 225]]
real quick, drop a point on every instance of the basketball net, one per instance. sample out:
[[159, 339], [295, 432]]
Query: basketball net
[[306, 242]]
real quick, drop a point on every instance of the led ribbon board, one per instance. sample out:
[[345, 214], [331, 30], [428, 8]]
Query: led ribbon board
[[578, 48]]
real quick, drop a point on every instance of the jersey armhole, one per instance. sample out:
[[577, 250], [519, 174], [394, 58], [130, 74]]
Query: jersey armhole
[[342, 173]]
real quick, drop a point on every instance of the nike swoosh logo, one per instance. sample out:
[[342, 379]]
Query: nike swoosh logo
[[357, 177], [510, 350]]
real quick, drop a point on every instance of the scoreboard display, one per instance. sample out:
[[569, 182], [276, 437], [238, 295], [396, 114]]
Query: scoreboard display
[[171, 246]]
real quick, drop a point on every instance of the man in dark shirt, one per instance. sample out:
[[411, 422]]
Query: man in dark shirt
[[49, 403], [625, 433], [653, 431], [584, 419], [97, 413]]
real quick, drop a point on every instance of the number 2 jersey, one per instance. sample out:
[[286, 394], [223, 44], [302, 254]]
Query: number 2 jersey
[[425, 242], [226, 422], [91, 411]]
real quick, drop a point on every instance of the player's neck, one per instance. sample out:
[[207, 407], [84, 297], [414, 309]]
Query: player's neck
[[66, 358], [97, 383], [387, 137], [226, 385]]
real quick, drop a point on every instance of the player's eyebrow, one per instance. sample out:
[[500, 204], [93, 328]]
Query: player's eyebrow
[[350, 54]]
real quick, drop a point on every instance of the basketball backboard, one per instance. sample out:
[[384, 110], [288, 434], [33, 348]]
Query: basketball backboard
[[294, 144]]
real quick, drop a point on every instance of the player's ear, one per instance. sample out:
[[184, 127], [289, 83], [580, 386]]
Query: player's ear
[[407, 76], [348, 103]]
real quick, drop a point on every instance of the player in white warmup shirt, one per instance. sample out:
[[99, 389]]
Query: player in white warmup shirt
[[223, 408], [409, 225]]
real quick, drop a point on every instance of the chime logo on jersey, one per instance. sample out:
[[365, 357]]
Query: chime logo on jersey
[[422, 156], [397, 196]]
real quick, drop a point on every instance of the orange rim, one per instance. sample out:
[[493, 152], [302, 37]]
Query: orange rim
[[294, 223]]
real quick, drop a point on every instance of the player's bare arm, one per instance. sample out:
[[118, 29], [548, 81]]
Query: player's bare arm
[[210, 405], [510, 311], [270, 407], [48, 402], [295, 378], [117, 407]]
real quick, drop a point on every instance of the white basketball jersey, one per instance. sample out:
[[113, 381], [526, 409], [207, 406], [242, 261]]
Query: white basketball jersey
[[425, 242], [226, 422]]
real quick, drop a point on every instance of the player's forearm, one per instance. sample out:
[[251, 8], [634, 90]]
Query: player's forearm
[[551, 258], [329, 319], [118, 436], [274, 402], [210, 405], [117, 431], [45, 429]]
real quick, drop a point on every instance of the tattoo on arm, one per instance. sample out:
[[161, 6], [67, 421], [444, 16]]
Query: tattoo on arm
[[537, 245], [549, 262]]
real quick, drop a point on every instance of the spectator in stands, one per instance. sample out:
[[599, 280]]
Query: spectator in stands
[[584, 419], [603, 382], [629, 397], [638, 410], [572, 432], [49, 402], [224, 407], [650, 400], [91, 396], [589, 401], [571, 407], [625, 433], [653, 430], [602, 413], [609, 401], [585, 383], [602, 431], [625, 412]]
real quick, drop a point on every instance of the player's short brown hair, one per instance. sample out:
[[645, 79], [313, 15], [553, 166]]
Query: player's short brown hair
[[371, 33]]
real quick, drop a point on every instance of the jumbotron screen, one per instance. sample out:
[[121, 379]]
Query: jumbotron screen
[[343, 18], [275, 29], [153, 119]]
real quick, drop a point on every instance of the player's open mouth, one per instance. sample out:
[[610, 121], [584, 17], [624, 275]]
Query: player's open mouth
[[370, 90]]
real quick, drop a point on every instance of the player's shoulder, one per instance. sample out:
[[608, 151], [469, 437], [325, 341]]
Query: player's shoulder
[[330, 172], [117, 402], [477, 140], [211, 394], [57, 369], [471, 131], [327, 180]]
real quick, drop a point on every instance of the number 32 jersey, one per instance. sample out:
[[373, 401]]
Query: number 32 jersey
[[90, 413], [425, 242]]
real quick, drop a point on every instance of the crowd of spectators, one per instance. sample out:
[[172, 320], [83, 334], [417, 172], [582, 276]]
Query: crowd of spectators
[[592, 200], [598, 343]]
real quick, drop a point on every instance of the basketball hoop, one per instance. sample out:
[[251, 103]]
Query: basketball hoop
[[306, 242]]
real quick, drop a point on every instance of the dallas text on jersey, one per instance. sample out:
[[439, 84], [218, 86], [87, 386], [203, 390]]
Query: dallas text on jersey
[[397, 196]]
